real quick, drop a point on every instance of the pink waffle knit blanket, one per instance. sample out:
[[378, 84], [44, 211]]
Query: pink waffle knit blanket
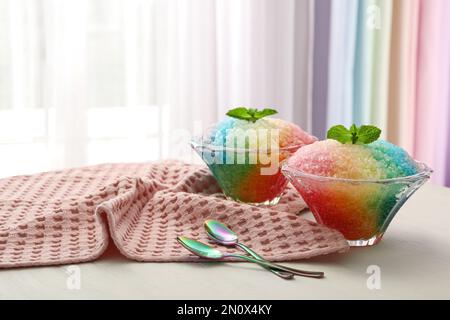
[[69, 216]]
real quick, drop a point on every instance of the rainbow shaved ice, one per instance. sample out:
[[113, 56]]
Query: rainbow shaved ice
[[355, 188], [245, 181], [289, 134], [378, 160]]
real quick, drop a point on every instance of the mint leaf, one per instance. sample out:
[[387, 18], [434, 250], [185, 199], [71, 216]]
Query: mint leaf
[[339, 133], [265, 112], [363, 135], [239, 113], [250, 114], [368, 134]]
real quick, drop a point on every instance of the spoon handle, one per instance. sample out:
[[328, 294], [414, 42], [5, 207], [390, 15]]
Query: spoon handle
[[280, 273], [277, 266], [292, 270]]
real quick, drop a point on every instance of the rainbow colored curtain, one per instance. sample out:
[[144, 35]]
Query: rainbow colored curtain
[[386, 62]]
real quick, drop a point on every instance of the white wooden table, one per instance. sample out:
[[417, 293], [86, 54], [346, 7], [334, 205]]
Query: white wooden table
[[413, 259]]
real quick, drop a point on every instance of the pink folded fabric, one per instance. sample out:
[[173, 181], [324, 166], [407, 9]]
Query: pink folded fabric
[[68, 216]]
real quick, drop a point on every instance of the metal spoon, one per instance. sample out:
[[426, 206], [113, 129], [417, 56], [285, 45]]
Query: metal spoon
[[220, 233], [205, 251]]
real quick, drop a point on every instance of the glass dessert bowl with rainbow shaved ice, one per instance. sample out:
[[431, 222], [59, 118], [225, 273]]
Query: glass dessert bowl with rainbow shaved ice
[[355, 188], [244, 152]]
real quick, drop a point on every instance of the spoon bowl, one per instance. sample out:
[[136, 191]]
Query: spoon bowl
[[199, 248], [220, 233]]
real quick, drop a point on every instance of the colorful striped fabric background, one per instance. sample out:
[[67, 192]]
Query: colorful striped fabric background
[[387, 62]]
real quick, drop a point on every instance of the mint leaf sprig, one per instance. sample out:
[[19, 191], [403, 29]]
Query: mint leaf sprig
[[364, 134], [250, 114]]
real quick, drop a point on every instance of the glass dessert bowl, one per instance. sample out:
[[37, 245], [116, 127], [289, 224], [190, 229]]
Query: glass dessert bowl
[[244, 152], [361, 209], [248, 175]]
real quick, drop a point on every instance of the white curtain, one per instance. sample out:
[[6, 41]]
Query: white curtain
[[90, 81]]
